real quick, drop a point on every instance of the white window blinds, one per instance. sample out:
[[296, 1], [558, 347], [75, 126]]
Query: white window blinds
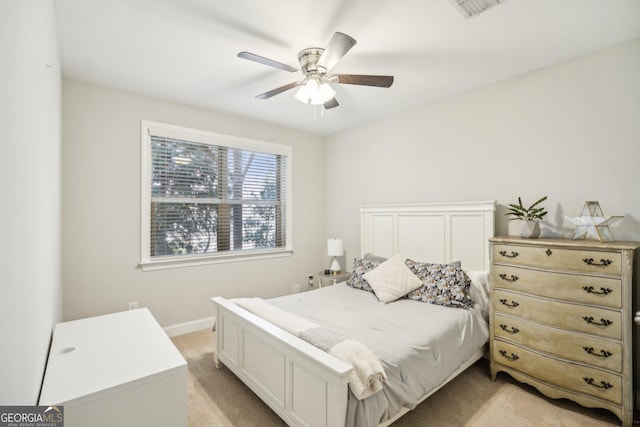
[[211, 198]]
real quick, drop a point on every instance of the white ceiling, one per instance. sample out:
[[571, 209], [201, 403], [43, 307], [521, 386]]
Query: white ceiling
[[185, 50]]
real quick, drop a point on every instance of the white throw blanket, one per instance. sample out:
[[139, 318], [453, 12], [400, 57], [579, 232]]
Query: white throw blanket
[[367, 376]]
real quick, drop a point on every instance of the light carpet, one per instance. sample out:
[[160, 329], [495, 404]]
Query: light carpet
[[218, 398]]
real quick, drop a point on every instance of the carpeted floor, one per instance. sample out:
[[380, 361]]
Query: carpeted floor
[[218, 398]]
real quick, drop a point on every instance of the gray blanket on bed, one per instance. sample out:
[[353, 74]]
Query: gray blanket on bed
[[418, 344], [322, 338]]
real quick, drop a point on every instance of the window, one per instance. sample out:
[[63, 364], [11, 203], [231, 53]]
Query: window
[[210, 198]]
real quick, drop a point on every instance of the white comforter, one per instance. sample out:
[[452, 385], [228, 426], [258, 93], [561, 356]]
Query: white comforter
[[419, 344]]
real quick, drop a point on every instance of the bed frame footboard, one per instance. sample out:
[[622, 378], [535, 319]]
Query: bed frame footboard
[[304, 385]]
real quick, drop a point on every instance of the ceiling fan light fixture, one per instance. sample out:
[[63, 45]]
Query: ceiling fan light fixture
[[314, 92]]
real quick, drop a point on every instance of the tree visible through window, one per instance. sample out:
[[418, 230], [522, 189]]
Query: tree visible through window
[[213, 199]]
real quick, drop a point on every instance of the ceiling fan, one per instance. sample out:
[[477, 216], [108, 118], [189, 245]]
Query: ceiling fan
[[315, 63]]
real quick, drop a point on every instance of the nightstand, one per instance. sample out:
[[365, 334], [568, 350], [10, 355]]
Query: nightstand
[[331, 278]]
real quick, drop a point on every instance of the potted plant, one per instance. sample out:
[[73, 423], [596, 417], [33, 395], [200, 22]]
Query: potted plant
[[530, 217]]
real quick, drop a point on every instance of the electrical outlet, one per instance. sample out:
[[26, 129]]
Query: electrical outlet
[[133, 305]]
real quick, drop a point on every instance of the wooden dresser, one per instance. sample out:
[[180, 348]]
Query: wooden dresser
[[561, 318]]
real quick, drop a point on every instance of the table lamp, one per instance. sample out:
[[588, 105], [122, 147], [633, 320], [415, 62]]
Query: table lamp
[[335, 249]]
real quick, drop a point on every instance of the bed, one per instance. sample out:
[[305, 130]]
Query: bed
[[307, 386]]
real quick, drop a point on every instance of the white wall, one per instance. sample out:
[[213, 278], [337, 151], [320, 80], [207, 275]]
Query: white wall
[[30, 279], [101, 221], [570, 131]]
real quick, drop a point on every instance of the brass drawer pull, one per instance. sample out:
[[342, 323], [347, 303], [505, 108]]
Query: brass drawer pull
[[603, 291], [513, 330], [507, 278], [603, 353], [603, 384], [603, 322], [507, 255], [512, 357], [512, 304], [603, 262]]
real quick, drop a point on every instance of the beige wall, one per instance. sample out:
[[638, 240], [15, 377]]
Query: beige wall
[[30, 279], [570, 131], [101, 211]]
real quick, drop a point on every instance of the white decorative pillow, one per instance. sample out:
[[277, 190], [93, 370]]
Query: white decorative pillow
[[479, 290], [392, 279]]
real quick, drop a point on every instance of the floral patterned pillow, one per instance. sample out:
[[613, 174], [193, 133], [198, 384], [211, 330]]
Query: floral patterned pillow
[[442, 284], [360, 268]]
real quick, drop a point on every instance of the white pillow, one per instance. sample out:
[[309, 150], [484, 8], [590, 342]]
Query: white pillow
[[392, 279], [479, 290]]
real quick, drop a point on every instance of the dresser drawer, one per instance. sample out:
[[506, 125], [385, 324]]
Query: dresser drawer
[[595, 351], [572, 376], [591, 320], [603, 291], [608, 263]]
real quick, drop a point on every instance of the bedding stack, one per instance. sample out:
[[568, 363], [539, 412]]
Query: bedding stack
[[420, 320]]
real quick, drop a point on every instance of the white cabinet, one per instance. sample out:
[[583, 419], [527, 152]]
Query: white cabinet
[[119, 369]]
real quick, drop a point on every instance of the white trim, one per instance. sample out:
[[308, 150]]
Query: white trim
[[482, 206], [195, 135], [191, 326], [188, 261]]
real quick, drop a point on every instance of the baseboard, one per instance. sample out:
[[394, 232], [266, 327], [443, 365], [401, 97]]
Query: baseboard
[[191, 326]]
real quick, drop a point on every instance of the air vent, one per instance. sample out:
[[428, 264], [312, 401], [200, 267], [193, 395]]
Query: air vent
[[469, 8]]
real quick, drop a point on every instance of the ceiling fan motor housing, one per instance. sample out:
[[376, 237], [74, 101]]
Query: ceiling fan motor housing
[[309, 58]]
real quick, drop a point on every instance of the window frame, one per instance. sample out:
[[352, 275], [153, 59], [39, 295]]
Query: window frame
[[150, 128]]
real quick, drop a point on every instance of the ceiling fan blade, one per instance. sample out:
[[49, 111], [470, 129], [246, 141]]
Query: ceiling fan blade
[[276, 91], [332, 103], [364, 80], [266, 61], [338, 46]]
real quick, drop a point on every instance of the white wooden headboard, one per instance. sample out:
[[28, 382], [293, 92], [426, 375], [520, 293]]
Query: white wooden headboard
[[431, 232]]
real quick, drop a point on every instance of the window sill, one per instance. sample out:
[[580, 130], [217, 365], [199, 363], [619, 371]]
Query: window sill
[[172, 262]]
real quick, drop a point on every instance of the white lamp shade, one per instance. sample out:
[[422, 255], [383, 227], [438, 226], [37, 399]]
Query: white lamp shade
[[325, 93], [334, 247], [315, 93]]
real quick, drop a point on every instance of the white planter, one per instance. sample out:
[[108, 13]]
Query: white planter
[[530, 229], [514, 227]]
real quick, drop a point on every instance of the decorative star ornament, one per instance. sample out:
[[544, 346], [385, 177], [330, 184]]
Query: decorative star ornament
[[592, 224]]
